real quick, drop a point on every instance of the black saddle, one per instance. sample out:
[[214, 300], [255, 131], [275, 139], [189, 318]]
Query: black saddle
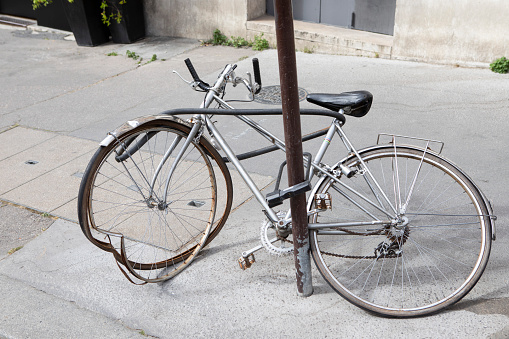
[[355, 103]]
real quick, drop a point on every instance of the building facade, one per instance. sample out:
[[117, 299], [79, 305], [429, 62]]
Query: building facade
[[465, 32]]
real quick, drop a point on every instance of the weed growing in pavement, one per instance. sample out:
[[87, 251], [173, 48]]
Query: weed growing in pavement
[[132, 55], [112, 54], [308, 50], [238, 42], [501, 65], [12, 250], [260, 43], [219, 39], [154, 58]]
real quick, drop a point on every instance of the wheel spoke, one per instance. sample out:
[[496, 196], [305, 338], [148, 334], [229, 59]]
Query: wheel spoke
[[427, 258], [125, 197]]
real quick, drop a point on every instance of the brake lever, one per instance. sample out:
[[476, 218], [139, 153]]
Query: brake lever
[[193, 84], [250, 87], [181, 77]]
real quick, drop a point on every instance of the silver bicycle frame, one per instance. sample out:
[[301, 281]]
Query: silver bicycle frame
[[202, 120]]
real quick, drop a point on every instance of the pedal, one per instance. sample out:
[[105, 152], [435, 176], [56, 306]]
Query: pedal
[[246, 262], [323, 201]]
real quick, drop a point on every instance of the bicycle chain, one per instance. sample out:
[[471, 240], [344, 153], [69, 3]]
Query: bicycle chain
[[377, 232]]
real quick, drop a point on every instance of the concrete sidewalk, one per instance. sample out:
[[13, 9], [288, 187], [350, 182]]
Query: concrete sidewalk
[[59, 100]]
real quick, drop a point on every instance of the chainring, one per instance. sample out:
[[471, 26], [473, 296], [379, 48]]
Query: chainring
[[268, 232]]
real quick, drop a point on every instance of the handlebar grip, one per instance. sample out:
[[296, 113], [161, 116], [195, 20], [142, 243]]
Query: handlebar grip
[[257, 76], [191, 69], [201, 84]]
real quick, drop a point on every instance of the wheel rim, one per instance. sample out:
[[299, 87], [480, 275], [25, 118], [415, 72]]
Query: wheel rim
[[437, 265], [159, 235]]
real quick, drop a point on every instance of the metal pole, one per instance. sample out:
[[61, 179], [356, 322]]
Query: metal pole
[[292, 129]]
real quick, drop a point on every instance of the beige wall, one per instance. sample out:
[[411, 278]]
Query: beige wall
[[465, 32], [451, 31], [198, 18]]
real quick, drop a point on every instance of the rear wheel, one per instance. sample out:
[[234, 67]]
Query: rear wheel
[[125, 207], [417, 257]]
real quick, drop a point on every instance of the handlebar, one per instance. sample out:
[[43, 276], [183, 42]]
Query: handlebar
[[257, 76], [201, 84], [205, 86]]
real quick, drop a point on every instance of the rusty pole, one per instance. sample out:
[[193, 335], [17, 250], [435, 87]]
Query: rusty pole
[[292, 129]]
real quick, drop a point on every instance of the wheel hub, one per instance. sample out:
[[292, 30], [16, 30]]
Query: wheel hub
[[151, 203], [399, 231]]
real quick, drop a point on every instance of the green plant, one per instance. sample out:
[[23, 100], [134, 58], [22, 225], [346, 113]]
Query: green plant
[[218, 38], [260, 43], [132, 55], [112, 54], [501, 65], [154, 58], [12, 250], [112, 14], [38, 3], [238, 42], [308, 50]]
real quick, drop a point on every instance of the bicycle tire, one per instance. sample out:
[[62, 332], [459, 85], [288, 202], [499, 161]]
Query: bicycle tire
[[115, 199], [431, 260]]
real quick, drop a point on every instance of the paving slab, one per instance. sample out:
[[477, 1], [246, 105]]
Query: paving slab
[[44, 157], [18, 226], [21, 139], [52, 182], [53, 189], [40, 315]]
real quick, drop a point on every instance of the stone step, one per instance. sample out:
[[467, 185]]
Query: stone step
[[319, 38]]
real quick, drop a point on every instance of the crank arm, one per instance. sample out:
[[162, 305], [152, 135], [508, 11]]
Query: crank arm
[[257, 248]]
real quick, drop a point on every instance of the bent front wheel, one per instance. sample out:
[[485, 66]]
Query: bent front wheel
[[414, 249], [153, 226]]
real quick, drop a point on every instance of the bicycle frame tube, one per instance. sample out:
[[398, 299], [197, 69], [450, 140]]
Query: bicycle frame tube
[[248, 121], [243, 173], [349, 146], [323, 148]]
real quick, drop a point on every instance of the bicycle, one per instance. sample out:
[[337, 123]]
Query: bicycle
[[395, 228]]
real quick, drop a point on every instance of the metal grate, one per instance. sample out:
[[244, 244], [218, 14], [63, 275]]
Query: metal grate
[[272, 95], [16, 21]]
